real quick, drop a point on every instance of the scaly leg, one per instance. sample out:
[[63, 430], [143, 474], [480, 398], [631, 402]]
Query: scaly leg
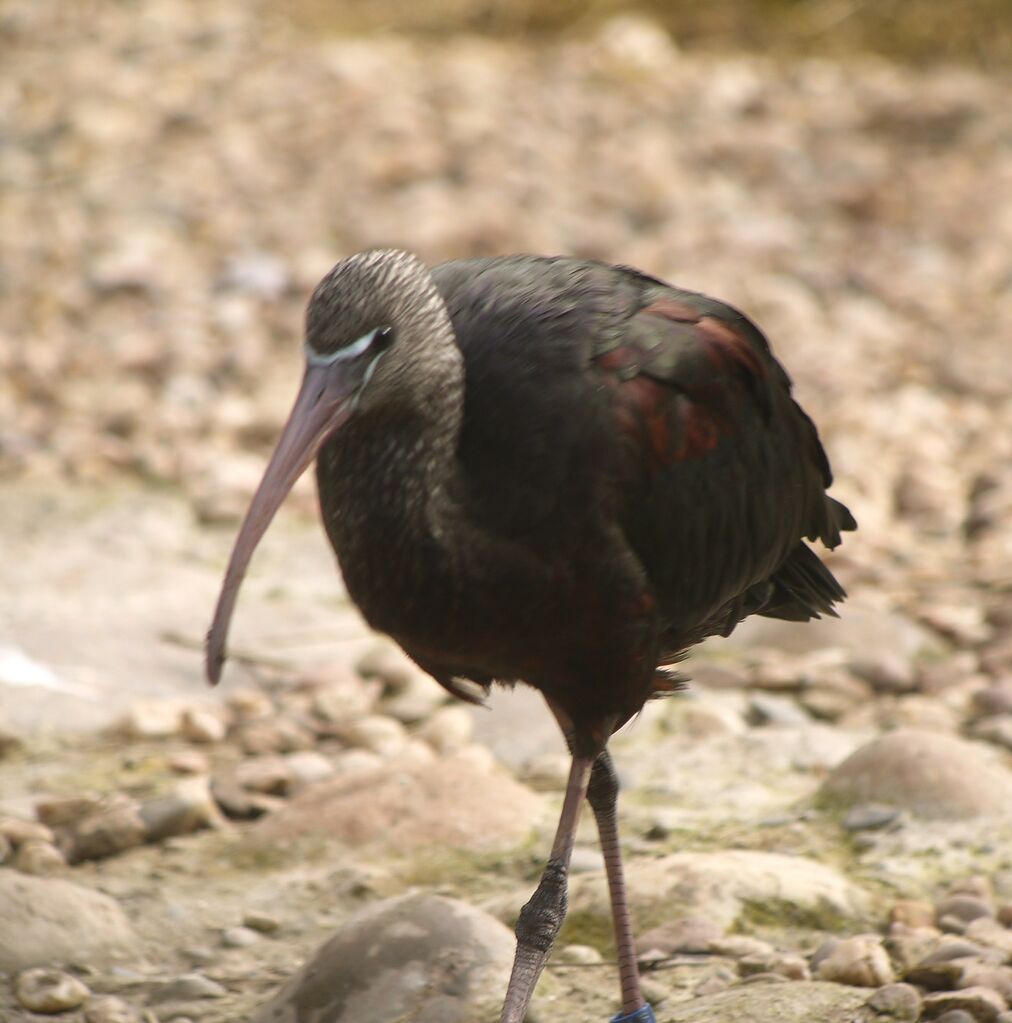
[[542, 917], [602, 794]]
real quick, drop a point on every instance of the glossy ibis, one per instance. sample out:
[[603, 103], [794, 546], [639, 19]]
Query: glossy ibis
[[557, 472]]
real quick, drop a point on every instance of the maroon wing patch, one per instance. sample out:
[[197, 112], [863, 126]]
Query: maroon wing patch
[[674, 392]]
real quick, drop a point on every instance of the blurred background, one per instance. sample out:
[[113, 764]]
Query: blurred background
[[175, 177]]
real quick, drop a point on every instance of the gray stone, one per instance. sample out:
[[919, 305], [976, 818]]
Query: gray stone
[[899, 1002], [932, 775], [692, 934], [49, 991], [965, 907], [421, 957], [189, 987], [870, 817], [239, 937], [770, 709], [111, 830], [407, 805], [773, 1003], [46, 921], [981, 1004]]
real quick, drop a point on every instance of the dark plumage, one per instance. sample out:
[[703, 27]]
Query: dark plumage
[[558, 472]]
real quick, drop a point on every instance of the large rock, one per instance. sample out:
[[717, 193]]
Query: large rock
[[446, 803], [932, 775], [423, 958], [47, 921], [774, 1003], [730, 887]]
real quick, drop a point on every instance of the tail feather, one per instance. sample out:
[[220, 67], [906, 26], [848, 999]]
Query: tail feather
[[803, 587]]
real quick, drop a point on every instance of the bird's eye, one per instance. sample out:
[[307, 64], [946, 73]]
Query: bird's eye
[[382, 339]]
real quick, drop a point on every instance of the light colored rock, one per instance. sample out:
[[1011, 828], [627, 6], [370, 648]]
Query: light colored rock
[[188, 987], [692, 935], [339, 698], [897, 1002], [113, 829], [49, 991], [189, 761], [47, 920], [728, 887], [110, 1009], [861, 961], [17, 830], [420, 957], [449, 729], [412, 806], [153, 719], [187, 808], [268, 774], [239, 937], [39, 858], [306, 767], [930, 774], [417, 698], [376, 733], [200, 725], [773, 1003], [249, 704]]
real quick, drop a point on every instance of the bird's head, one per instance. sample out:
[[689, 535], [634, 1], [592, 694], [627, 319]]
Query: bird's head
[[368, 323]]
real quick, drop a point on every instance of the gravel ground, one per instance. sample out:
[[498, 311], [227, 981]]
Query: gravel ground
[[830, 802]]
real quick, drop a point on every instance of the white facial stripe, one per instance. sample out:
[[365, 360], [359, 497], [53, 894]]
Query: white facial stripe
[[352, 351]]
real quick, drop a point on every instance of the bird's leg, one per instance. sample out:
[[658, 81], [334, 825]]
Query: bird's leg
[[602, 794], [542, 917]]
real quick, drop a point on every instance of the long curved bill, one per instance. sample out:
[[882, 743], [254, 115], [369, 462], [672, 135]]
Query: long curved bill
[[323, 404]]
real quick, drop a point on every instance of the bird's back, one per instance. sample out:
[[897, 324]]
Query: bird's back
[[605, 407]]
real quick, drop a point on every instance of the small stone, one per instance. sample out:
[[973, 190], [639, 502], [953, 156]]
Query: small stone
[[989, 932], [110, 831], [994, 699], [691, 935], [49, 991], [769, 709], [585, 860], [250, 704], [389, 664], [343, 698], [860, 961], [899, 1002], [188, 808], [981, 1004], [357, 761], [187, 988], [39, 858], [239, 803], [262, 922], [912, 913], [18, 831], [59, 811], [188, 762], [153, 719], [950, 924], [416, 699], [239, 937], [737, 946], [548, 772], [306, 767], [996, 730], [578, 955], [200, 725], [1005, 914], [109, 1009], [870, 817], [997, 978], [449, 729], [965, 907], [378, 734], [268, 774]]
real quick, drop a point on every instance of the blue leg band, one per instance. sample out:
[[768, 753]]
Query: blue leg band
[[644, 1015]]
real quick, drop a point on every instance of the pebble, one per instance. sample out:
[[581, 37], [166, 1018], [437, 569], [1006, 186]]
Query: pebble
[[578, 955], [448, 729], [49, 991], [860, 961], [267, 774], [964, 907], [188, 987], [39, 858], [912, 913], [899, 1002], [343, 698], [993, 700], [110, 1009], [870, 817], [378, 734], [257, 920], [988, 931], [188, 762], [187, 808], [153, 719], [18, 831], [105, 833], [980, 1003], [200, 725], [547, 772], [306, 767], [690, 935], [770, 709], [239, 937], [249, 704]]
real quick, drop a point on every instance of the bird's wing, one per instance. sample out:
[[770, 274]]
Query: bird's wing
[[727, 470]]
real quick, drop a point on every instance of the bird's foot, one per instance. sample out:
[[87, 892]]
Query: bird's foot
[[644, 1014]]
